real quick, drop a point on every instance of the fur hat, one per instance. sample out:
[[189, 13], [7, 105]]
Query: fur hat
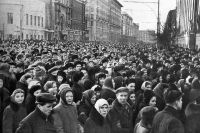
[[34, 88], [119, 81], [77, 76], [63, 92], [63, 86], [108, 82]]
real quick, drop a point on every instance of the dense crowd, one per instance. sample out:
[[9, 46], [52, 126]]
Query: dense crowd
[[98, 87]]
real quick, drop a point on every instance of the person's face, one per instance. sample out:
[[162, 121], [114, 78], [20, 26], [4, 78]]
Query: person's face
[[60, 78], [69, 69], [84, 72], [91, 64], [179, 104], [12, 68], [152, 102], [37, 92], [78, 67], [1, 83], [161, 79], [122, 97], [105, 64], [103, 110], [132, 97], [131, 86], [19, 98], [69, 97], [93, 99], [101, 80], [46, 109]]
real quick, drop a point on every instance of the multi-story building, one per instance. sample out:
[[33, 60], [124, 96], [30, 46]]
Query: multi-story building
[[78, 24], [62, 18], [115, 20], [22, 20], [97, 15], [129, 30], [147, 36]]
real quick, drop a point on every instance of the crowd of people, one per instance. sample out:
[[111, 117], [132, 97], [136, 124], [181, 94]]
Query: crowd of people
[[98, 87]]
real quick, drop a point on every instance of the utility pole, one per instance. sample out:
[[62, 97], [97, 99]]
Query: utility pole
[[158, 23], [21, 15]]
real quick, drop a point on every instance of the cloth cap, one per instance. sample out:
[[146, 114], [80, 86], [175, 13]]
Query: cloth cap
[[122, 89], [45, 98]]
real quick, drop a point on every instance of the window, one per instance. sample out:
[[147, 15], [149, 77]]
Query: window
[[38, 37], [42, 21], [26, 19], [26, 36], [35, 20], [38, 20], [31, 20], [10, 18]]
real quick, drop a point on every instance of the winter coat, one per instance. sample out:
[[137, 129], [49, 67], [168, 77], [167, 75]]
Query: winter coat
[[85, 106], [167, 121], [120, 118], [66, 118], [12, 115], [37, 122], [139, 128], [192, 124], [30, 103], [77, 91], [96, 123]]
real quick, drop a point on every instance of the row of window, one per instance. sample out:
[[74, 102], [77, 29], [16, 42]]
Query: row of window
[[34, 20]]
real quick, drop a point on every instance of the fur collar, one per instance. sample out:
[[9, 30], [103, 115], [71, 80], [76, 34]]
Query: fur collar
[[14, 105], [96, 117]]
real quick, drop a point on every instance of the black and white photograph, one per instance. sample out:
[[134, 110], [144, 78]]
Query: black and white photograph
[[99, 66]]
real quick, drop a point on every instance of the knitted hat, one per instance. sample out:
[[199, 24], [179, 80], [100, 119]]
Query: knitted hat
[[15, 92], [45, 98], [99, 103], [196, 84], [63, 86]]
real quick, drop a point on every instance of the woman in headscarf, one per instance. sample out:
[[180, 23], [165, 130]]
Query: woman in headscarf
[[86, 104], [14, 112], [97, 121], [65, 113]]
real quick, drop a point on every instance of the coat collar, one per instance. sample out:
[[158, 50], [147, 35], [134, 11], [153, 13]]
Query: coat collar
[[96, 117], [42, 115], [172, 111]]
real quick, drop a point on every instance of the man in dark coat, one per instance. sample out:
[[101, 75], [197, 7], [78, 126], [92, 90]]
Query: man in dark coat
[[40, 120], [120, 115], [168, 120]]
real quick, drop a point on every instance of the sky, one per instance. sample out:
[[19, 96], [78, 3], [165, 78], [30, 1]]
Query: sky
[[146, 13]]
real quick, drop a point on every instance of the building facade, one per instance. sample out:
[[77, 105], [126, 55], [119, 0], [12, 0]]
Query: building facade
[[97, 16], [115, 21], [78, 24], [147, 36], [21, 20], [129, 30]]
